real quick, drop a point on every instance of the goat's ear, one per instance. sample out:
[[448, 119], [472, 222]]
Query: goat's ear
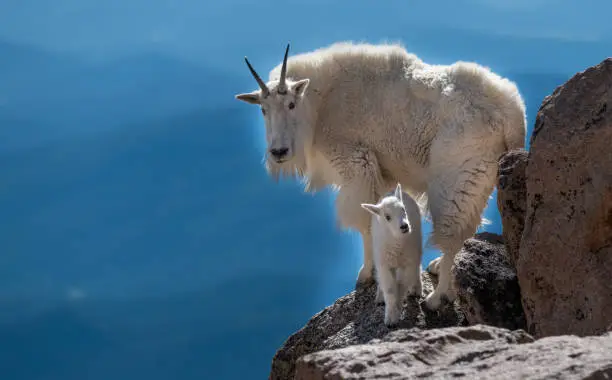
[[372, 209], [250, 97], [300, 86], [398, 191]]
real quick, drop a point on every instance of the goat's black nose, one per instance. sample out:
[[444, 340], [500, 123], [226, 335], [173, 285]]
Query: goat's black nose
[[404, 227], [279, 153]]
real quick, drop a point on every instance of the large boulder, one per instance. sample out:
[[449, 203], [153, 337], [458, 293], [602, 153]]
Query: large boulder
[[565, 258], [356, 319], [476, 352], [511, 199], [487, 287]]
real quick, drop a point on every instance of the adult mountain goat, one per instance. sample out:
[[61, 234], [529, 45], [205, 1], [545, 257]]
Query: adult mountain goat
[[363, 117]]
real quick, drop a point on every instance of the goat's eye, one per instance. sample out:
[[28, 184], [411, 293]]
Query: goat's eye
[[387, 217], [263, 111], [291, 105]]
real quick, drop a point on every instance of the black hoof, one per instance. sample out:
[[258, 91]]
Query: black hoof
[[426, 308], [390, 325]]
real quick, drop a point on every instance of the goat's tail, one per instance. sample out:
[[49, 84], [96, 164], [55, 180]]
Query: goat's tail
[[515, 123], [514, 134]]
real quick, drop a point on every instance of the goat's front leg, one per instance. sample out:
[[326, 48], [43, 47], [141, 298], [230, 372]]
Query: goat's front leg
[[366, 272], [361, 183], [351, 215], [392, 296], [380, 298]]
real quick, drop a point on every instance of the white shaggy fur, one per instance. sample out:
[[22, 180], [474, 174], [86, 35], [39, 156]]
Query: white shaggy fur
[[398, 250], [364, 117]]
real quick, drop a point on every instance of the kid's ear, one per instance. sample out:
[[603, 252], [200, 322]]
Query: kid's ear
[[398, 191], [250, 97], [372, 209]]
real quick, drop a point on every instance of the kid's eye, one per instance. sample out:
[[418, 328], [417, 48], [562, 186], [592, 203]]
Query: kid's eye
[[291, 105], [263, 111], [387, 217]]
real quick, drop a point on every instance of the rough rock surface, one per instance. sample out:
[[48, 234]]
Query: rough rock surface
[[476, 352], [511, 199], [565, 259], [356, 319], [487, 287]]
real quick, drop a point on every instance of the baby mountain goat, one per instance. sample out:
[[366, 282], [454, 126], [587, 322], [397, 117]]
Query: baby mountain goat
[[362, 118], [396, 236]]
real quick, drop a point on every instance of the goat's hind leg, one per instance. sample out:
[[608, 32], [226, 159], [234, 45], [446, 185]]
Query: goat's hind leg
[[415, 283], [457, 199], [409, 280]]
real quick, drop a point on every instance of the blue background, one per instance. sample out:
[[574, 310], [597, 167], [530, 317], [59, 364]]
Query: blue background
[[140, 235]]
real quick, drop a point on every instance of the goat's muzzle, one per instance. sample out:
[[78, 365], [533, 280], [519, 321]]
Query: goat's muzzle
[[279, 154]]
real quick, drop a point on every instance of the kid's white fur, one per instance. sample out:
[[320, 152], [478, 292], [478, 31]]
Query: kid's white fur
[[398, 250]]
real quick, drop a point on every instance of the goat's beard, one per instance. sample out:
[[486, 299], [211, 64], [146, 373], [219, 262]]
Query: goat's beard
[[296, 167], [293, 168]]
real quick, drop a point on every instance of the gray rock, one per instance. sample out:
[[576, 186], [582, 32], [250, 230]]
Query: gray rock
[[565, 257], [487, 287], [476, 352], [511, 199], [356, 319]]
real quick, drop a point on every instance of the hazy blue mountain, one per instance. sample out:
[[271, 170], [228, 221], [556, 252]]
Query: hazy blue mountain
[[55, 96]]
